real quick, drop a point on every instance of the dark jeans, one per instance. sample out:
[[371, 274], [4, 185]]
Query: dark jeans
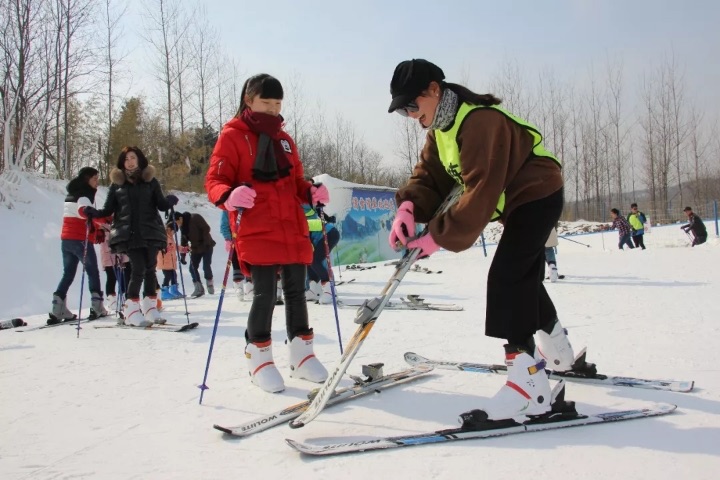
[[259, 323], [169, 278], [206, 258], [698, 240], [144, 262], [72, 255], [625, 240], [638, 241], [112, 273], [517, 303], [318, 271]]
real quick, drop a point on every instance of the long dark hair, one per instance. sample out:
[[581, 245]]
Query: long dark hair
[[466, 95], [262, 84], [142, 160]]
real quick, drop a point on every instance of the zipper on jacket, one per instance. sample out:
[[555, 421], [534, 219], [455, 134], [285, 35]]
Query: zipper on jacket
[[249, 145]]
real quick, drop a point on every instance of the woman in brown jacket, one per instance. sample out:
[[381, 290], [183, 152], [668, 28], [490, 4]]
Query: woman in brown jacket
[[508, 176]]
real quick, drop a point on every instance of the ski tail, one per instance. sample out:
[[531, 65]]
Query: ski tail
[[366, 316]]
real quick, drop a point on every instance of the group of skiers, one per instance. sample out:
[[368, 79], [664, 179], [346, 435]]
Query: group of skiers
[[256, 176]]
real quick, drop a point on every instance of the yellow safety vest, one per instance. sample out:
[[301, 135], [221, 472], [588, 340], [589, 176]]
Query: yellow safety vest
[[450, 152]]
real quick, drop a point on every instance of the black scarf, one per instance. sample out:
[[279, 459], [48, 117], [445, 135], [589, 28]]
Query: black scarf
[[272, 160]]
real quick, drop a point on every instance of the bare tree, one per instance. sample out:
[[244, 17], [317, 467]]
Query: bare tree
[[511, 85], [28, 79], [410, 140], [203, 64], [618, 132]]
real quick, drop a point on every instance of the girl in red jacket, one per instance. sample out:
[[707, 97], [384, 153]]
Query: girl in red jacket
[[255, 168]]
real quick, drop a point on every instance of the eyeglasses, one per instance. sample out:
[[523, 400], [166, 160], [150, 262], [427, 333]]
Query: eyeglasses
[[410, 107]]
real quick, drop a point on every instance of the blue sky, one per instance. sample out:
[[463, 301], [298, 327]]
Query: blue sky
[[345, 52]]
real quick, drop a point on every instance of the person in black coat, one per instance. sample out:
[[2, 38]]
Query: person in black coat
[[696, 225], [134, 199]]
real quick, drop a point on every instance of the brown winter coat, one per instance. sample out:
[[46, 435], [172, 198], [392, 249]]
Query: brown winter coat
[[495, 155]]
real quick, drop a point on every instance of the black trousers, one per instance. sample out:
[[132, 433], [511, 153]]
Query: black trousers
[[237, 271], [638, 241], [259, 324], [144, 262], [517, 303]]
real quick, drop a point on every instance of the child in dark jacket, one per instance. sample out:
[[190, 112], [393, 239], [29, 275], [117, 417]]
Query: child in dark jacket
[[623, 227]]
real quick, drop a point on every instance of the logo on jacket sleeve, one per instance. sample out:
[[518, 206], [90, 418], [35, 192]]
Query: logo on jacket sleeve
[[286, 146]]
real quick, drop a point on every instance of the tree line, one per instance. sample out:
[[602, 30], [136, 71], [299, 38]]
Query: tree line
[[63, 105]]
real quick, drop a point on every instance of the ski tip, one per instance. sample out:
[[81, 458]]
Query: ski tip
[[293, 424], [222, 429], [685, 387], [415, 359]]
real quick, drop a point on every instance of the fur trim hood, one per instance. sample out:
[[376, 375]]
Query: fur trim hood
[[118, 177]]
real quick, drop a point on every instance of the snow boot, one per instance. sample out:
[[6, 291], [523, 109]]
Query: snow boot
[[59, 312], [111, 301], [210, 285], [238, 289], [261, 367], [175, 292], [97, 306], [303, 362], [312, 294], [527, 390], [165, 294], [248, 291], [554, 347], [326, 297], [199, 290], [150, 311], [553, 273], [133, 314]]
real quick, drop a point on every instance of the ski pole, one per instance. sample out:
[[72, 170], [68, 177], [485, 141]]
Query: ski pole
[[319, 209], [120, 278], [482, 237], [177, 252], [574, 241], [204, 386], [82, 278], [337, 257]]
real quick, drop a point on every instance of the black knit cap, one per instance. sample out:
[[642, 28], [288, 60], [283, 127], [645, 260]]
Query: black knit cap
[[409, 80]]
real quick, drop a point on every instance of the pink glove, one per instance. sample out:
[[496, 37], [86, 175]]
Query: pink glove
[[242, 197], [184, 249], [320, 195], [403, 225], [426, 244], [228, 245]]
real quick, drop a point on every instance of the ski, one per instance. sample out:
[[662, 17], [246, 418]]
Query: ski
[[168, 327], [73, 321], [366, 316], [489, 429], [362, 387], [560, 277], [343, 282], [360, 268], [14, 323], [598, 379], [418, 268], [410, 302]]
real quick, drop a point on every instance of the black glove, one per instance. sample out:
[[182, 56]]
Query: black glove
[[172, 200], [330, 219], [182, 259], [91, 213]]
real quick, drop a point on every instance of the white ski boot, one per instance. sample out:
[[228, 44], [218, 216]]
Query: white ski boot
[[312, 294], [151, 312], [261, 367], [248, 291], [326, 297], [111, 301], [133, 315], [60, 312], [555, 347], [303, 362], [527, 390], [238, 289], [97, 306], [553, 273]]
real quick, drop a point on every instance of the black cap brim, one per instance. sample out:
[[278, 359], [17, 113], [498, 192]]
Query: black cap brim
[[400, 101]]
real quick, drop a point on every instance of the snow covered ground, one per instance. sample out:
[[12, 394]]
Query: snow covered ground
[[121, 404]]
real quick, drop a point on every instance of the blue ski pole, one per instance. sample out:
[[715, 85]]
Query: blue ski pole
[[82, 278], [331, 275], [204, 386], [177, 252]]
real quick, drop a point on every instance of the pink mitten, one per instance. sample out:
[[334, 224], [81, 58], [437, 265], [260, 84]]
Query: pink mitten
[[403, 226], [228, 245], [426, 244], [320, 194], [242, 197]]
